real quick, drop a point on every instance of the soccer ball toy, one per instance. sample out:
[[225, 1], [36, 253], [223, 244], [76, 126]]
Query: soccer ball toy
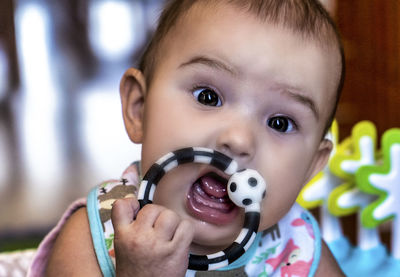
[[246, 188]]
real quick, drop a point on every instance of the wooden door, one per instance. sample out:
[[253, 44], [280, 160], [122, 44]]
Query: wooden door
[[371, 35]]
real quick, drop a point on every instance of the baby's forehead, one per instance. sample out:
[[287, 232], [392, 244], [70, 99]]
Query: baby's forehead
[[306, 28], [311, 27], [324, 37], [306, 18]]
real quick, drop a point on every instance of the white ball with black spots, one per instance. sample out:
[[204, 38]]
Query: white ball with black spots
[[246, 187]]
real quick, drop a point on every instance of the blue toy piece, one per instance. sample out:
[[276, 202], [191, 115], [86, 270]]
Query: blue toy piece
[[364, 262], [246, 188], [341, 249], [390, 268]]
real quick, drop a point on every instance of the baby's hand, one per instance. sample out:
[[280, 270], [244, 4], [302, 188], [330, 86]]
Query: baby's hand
[[156, 243]]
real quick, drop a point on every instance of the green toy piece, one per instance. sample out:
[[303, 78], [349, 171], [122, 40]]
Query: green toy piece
[[354, 152], [384, 181]]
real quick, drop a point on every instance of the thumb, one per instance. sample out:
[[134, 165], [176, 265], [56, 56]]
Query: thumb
[[124, 211]]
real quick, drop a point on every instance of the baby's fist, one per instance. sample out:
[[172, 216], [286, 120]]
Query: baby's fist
[[156, 243]]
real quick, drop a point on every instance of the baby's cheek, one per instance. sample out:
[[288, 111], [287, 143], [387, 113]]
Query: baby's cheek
[[273, 208]]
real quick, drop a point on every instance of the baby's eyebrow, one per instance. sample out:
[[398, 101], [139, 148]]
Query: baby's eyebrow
[[305, 100], [211, 62]]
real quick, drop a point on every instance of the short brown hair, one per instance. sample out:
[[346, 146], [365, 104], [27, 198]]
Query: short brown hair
[[305, 17]]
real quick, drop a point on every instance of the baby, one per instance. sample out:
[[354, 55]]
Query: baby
[[256, 80]]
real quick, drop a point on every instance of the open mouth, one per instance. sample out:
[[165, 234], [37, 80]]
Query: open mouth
[[208, 200]]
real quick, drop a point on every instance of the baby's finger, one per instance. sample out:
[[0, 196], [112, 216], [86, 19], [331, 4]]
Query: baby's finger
[[184, 234], [148, 215], [124, 211], [166, 224]]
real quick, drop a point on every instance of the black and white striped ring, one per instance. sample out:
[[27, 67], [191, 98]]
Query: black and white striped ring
[[246, 188]]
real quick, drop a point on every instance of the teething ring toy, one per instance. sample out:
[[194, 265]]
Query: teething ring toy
[[246, 188]]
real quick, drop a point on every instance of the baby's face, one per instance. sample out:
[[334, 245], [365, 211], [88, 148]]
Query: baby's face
[[254, 91]]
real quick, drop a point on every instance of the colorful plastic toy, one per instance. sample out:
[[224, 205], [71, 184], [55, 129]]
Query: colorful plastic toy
[[370, 187], [316, 193], [354, 153]]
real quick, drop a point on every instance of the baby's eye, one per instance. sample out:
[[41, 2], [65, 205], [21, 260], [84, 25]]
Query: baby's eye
[[207, 96], [281, 124]]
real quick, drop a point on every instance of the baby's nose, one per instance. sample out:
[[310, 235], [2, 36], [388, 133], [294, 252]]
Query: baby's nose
[[237, 140]]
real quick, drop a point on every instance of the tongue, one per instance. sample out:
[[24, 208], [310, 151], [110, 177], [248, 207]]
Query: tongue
[[208, 201], [213, 187]]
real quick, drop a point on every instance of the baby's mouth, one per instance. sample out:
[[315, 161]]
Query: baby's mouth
[[208, 200]]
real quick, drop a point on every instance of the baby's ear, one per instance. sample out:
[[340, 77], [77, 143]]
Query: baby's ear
[[321, 158], [132, 91]]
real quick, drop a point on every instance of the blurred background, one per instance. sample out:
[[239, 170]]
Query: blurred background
[[61, 129]]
